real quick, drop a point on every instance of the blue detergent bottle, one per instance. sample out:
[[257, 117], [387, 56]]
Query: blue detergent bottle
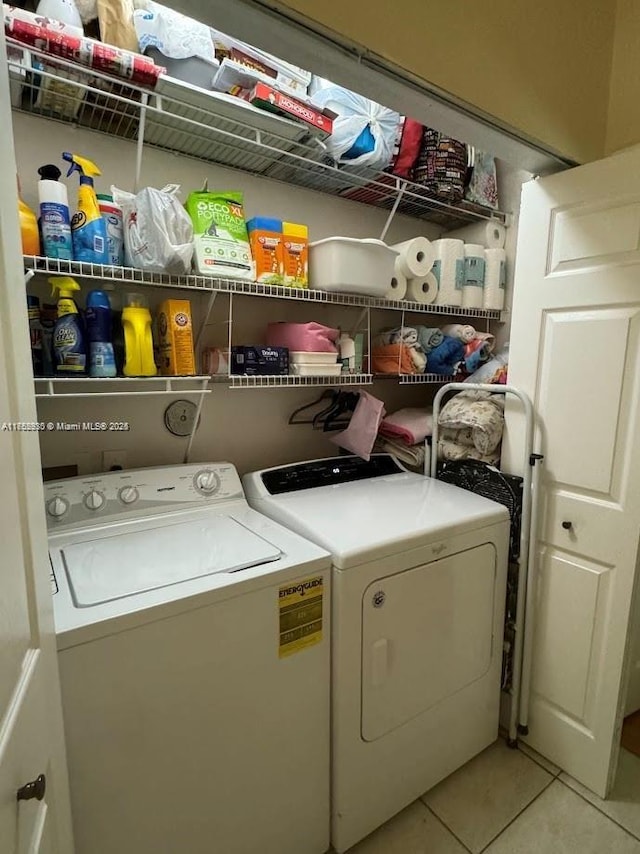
[[102, 362]]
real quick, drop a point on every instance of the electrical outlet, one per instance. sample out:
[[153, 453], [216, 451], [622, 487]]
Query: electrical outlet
[[114, 460]]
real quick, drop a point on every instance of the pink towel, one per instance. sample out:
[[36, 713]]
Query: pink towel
[[360, 435], [307, 337], [412, 426]]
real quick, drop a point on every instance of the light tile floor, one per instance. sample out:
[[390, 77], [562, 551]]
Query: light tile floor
[[515, 802]]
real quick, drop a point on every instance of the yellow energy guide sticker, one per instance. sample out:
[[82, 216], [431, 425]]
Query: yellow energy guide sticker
[[300, 609]]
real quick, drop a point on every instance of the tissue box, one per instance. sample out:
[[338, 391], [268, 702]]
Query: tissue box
[[260, 361]]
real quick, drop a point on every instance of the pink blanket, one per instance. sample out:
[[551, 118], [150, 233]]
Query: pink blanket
[[411, 426]]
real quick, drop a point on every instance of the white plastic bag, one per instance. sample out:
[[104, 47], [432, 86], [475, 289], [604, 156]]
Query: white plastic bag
[[158, 234], [173, 34], [364, 133]]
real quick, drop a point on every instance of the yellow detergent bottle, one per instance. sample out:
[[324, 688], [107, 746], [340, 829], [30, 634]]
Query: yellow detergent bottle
[[138, 341]]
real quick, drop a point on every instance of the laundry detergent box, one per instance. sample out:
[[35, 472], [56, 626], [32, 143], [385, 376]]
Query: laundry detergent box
[[175, 338], [265, 238], [220, 234], [260, 361], [295, 254]]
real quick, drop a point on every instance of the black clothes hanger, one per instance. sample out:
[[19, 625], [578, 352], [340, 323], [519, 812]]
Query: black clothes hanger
[[328, 394]]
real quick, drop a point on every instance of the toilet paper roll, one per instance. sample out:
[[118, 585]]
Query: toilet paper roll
[[495, 279], [448, 268], [398, 286], [416, 257], [424, 290], [491, 234], [473, 288]]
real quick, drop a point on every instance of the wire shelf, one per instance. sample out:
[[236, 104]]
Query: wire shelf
[[129, 275], [414, 379], [217, 129], [291, 381], [83, 387]]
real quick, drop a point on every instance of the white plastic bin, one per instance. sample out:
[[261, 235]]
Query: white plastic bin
[[351, 266]]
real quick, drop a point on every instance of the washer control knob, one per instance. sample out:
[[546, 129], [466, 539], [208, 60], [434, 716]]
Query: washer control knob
[[207, 482], [57, 507], [94, 500], [128, 494]]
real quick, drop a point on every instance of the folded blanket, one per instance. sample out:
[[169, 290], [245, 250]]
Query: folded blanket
[[410, 426], [488, 339], [429, 337], [460, 330], [445, 358], [408, 337], [481, 411], [392, 359], [476, 357], [411, 456]]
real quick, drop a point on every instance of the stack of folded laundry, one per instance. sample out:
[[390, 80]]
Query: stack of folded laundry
[[453, 350], [403, 434]]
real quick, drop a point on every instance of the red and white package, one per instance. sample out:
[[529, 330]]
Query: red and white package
[[27, 29]]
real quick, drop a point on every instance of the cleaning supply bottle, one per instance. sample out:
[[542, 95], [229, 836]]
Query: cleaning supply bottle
[[35, 333], [28, 227], [347, 349], [69, 347], [88, 228], [138, 340], [55, 223], [102, 362]]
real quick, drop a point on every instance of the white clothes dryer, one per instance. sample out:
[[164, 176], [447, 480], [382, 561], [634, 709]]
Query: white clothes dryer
[[193, 639], [419, 584]]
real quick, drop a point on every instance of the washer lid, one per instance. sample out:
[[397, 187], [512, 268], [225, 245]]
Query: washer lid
[[109, 568], [364, 520]]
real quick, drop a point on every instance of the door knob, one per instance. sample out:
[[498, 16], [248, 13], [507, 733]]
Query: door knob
[[567, 525], [35, 789]]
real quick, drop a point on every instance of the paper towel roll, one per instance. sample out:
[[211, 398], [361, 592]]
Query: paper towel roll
[[473, 288], [448, 268], [416, 257], [491, 234], [398, 286], [494, 279], [424, 290]]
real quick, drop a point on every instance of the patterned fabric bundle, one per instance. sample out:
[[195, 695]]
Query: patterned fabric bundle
[[442, 166]]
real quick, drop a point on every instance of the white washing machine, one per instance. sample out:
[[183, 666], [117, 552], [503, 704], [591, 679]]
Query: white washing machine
[[419, 579], [193, 638]]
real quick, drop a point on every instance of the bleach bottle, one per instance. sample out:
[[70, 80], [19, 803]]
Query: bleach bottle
[[88, 228], [69, 349], [55, 223], [102, 361]]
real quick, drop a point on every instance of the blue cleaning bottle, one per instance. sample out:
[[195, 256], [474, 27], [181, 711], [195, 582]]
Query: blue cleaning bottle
[[69, 349], [102, 362], [88, 228]]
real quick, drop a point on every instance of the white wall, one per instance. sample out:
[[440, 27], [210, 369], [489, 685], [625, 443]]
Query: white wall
[[248, 427]]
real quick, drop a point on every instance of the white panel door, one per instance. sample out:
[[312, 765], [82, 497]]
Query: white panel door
[[575, 349], [31, 740]]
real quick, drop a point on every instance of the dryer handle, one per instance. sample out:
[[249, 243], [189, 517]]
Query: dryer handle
[[379, 662]]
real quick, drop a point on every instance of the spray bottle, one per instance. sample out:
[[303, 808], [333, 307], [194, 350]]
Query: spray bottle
[[88, 229], [69, 348], [55, 223]]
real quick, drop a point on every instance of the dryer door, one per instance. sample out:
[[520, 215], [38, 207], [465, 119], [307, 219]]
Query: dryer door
[[427, 632]]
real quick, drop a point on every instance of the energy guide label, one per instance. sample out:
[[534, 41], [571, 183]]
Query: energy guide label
[[300, 607]]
